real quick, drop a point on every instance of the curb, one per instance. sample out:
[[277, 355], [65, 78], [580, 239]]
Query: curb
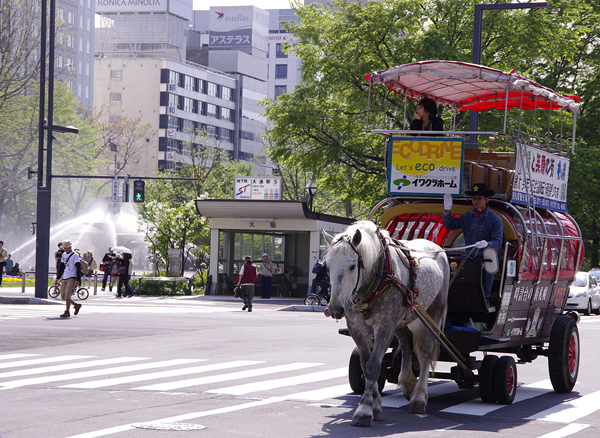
[[303, 308], [25, 300]]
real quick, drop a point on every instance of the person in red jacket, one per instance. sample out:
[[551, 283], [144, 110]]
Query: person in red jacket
[[247, 281]]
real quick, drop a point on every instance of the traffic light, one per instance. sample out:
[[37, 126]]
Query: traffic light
[[139, 188]]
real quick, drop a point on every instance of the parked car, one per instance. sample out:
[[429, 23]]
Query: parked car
[[584, 294], [596, 273]]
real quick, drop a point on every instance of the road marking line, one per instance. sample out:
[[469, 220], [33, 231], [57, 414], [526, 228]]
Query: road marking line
[[398, 400], [566, 431], [321, 394], [571, 410], [480, 408], [226, 377], [161, 374], [72, 376], [42, 360], [15, 356], [183, 417], [280, 383]]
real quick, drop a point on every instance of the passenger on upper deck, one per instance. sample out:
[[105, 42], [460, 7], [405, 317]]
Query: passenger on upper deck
[[480, 226], [426, 118]]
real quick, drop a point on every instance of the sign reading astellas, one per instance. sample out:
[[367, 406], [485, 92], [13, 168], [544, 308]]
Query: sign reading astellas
[[238, 26], [181, 8]]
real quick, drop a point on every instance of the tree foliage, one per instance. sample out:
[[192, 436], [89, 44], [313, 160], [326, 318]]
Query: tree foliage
[[321, 126]]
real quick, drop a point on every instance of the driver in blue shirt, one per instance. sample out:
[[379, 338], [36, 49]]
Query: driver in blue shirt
[[481, 226]]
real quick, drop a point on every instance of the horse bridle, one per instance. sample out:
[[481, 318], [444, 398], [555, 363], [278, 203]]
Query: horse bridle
[[359, 262]]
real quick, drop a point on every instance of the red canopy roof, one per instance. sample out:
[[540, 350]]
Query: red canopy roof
[[470, 87]]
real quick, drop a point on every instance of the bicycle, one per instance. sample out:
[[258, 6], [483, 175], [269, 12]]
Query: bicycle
[[315, 300], [82, 292]]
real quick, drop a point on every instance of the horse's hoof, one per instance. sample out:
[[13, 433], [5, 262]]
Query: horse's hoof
[[416, 408], [361, 422], [377, 415]]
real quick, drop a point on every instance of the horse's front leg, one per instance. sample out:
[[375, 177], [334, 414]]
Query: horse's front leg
[[369, 408]]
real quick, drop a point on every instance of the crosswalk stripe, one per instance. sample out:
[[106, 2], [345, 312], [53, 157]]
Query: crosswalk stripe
[[566, 431], [15, 356], [162, 374], [479, 408], [321, 394], [398, 400], [42, 360], [68, 375], [279, 383], [226, 377], [571, 410]]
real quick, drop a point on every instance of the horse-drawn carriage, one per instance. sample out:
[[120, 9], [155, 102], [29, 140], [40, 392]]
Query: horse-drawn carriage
[[542, 247]]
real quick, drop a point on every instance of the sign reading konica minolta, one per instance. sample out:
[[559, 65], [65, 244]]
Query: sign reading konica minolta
[[181, 8], [238, 27]]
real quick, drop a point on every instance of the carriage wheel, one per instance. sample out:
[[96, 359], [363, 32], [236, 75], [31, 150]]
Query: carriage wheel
[[563, 357], [505, 380], [53, 291], [311, 300], [355, 375], [486, 378]]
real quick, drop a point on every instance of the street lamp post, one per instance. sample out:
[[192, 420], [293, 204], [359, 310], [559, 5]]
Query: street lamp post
[[312, 189], [44, 180], [477, 31]]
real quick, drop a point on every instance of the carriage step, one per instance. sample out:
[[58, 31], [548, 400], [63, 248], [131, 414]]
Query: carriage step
[[492, 339]]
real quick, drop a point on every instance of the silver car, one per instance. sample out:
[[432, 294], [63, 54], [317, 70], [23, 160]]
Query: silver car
[[584, 294]]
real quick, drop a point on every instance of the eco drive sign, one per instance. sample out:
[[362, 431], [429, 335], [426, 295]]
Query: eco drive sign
[[425, 166], [258, 188]]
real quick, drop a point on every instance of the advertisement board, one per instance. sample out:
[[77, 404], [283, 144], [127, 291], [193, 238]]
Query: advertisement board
[[181, 8], [545, 174], [265, 188], [238, 26], [422, 166]]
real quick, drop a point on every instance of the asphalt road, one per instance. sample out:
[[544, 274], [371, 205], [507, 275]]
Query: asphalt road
[[204, 368]]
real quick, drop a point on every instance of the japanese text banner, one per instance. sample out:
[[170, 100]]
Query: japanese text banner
[[420, 166], [542, 174]]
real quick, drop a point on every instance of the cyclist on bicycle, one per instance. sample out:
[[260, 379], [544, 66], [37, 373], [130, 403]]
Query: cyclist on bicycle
[[70, 272], [321, 280]]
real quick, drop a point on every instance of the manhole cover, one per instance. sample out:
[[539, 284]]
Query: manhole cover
[[157, 425]]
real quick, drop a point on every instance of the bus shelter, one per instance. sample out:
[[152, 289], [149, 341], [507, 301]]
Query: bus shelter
[[286, 230]]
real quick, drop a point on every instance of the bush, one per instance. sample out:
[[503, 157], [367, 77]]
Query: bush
[[162, 287]]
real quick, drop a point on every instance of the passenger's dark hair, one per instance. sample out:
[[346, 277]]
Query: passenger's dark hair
[[429, 106]]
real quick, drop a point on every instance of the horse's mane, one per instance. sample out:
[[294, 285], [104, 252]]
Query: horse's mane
[[369, 247]]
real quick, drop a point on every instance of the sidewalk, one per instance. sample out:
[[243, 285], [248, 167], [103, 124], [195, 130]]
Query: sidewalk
[[14, 295]]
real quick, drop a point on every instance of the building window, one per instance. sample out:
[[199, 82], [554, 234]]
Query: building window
[[189, 83], [89, 24], [279, 51], [211, 131], [70, 41], [172, 122], [173, 77], [114, 118], [226, 135], [188, 126], [226, 114], [279, 90], [172, 145], [212, 90], [226, 93], [115, 97], [81, 22], [116, 74], [87, 47], [211, 110], [188, 104], [281, 71], [87, 69], [173, 100], [180, 102]]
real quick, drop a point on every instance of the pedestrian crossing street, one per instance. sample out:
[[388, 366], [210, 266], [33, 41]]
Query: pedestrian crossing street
[[17, 311], [300, 381]]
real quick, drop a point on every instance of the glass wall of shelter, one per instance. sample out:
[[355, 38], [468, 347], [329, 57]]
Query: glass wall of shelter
[[235, 246]]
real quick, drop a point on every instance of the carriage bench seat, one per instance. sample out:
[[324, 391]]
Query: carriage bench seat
[[466, 293]]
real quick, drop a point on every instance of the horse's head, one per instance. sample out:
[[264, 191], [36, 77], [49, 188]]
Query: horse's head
[[347, 256]]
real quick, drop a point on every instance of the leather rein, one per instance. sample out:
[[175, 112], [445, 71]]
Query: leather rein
[[384, 279]]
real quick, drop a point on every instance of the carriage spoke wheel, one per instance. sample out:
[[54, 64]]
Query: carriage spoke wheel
[[563, 357], [505, 380], [486, 378]]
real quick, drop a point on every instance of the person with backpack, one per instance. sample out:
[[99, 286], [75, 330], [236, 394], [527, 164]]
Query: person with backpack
[[69, 271]]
